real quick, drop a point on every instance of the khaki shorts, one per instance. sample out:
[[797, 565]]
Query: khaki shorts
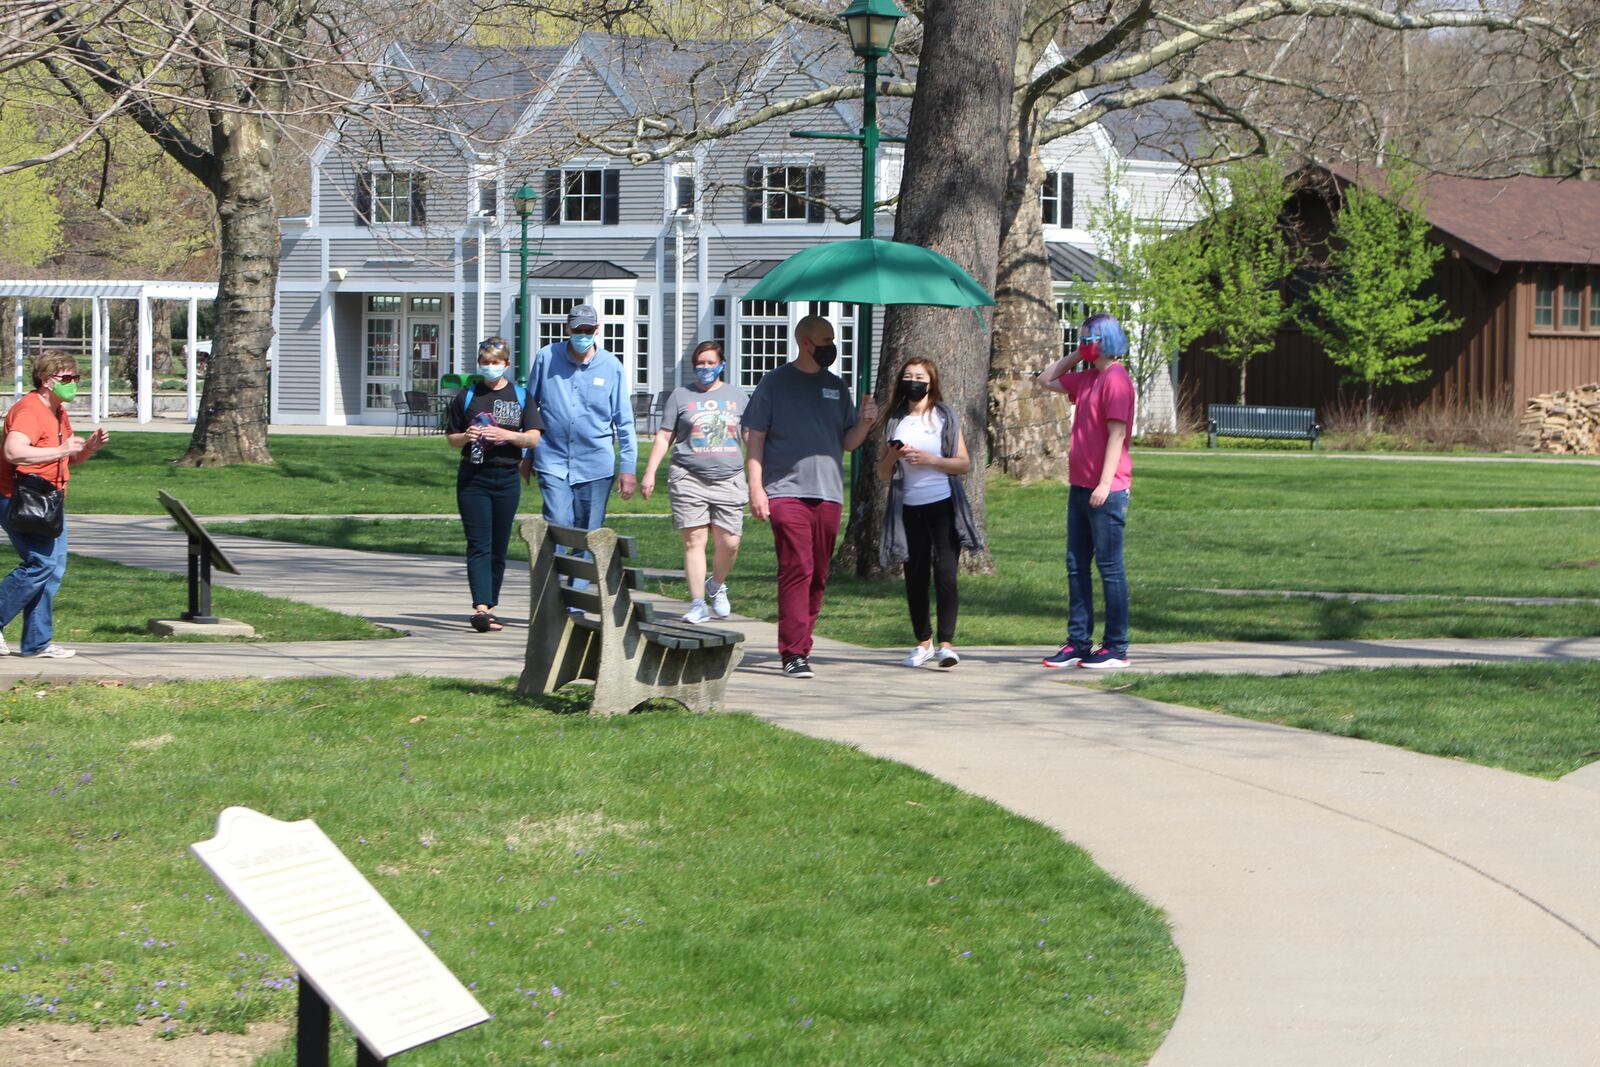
[[697, 502]]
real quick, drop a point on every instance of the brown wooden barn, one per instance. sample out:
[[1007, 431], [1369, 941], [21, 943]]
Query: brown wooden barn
[[1521, 270]]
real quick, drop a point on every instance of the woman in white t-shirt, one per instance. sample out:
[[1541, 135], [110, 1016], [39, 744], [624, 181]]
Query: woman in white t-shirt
[[927, 521]]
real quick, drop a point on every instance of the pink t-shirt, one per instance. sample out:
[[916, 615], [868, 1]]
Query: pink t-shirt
[[1101, 395]]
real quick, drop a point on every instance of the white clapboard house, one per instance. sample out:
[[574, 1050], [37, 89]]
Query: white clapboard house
[[402, 264]]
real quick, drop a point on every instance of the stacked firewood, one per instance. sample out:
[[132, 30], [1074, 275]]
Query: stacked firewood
[[1566, 422]]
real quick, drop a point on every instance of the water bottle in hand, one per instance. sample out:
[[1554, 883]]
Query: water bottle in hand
[[475, 447]]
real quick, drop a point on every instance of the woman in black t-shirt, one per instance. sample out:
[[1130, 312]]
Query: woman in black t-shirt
[[491, 422]]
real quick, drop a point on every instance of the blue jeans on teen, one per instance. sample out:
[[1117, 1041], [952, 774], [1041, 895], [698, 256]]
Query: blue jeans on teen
[[580, 504], [30, 589], [1095, 534], [487, 497]]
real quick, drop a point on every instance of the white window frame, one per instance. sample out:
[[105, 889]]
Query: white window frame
[[891, 171], [679, 170], [568, 198], [485, 174], [378, 173], [787, 194], [740, 318]]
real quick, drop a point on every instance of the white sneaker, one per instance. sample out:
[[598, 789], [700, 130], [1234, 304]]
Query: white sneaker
[[55, 651], [719, 599], [5, 649], [697, 612], [919, 655], [948, 657]]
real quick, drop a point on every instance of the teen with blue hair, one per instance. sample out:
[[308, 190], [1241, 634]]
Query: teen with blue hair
[[1099, 476]]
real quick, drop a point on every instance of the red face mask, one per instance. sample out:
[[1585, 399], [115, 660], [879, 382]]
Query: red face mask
[[1089, 350]]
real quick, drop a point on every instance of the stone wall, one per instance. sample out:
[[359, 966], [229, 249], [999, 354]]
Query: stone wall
[[1566, 422]]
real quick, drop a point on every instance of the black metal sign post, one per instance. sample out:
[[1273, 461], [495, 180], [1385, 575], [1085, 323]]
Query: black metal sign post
[[203, 555], [314, 1029]]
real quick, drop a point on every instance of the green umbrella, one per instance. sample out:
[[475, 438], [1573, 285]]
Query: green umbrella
[[871, 271]]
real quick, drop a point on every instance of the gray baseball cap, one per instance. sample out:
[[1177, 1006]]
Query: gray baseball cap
[[582, 315]]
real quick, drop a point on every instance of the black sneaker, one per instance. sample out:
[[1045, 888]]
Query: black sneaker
[[1068, 655], [797, 667], [1103, 659]]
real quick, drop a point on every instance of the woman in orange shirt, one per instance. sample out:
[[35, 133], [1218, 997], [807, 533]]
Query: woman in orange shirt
[[39, 440]]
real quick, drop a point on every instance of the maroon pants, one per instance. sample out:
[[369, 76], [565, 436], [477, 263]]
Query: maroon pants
[[804, 532]]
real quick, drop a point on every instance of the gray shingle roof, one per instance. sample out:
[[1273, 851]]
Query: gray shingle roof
[[581, 268], [490, 87], [1068, 263]]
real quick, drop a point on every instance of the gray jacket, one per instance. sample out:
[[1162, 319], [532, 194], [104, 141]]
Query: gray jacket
[[892, 544]]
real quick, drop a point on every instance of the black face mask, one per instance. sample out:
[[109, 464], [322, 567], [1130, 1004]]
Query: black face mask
[[913, 390], [825, 355]]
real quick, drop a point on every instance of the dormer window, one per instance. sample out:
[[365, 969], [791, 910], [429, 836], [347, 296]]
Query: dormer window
[[785, 193], [683, 188], [1055, 199], [485, 191], [582, 195], [390, 197]]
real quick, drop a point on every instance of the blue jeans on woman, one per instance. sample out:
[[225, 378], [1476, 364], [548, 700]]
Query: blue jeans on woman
[[1095, 534], [30, 589], [487, 497]]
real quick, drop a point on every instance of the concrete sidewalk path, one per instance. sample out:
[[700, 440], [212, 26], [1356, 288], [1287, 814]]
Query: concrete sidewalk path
[[1336, 902]]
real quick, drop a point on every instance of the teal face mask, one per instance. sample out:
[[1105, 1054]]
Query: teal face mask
[[581, 342], [492, 372]]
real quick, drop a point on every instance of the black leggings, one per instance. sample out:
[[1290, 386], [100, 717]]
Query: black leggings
[[932, 545], [487, 497]]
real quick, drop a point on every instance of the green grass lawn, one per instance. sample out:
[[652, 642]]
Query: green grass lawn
[[649, 888], [1533, 718], [104, 601], [1239, 522], [309, 475]]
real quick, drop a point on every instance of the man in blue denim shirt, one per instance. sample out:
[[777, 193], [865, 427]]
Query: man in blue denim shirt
[[582, 394]]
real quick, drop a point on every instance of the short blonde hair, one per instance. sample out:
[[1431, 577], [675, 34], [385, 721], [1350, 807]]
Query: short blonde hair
[[51, 364], [494, 348]]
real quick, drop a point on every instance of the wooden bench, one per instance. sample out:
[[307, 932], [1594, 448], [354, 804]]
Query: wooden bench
[[611, 639], [1273, 423]]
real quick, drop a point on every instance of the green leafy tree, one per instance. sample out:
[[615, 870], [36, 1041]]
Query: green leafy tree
[[1369, 315], [1247, 259], [30, 217], [1159, 288]]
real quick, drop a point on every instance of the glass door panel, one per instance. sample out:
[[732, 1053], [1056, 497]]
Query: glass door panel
[[382, 362], [427, 345]]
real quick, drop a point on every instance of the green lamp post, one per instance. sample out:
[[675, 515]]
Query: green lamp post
[[523, 200], [871, 25]]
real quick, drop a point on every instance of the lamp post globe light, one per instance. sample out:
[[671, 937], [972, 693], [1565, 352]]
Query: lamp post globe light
[[871, 25], [523, 201]]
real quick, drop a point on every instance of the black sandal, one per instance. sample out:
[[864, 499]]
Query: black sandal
[[480, 621], [494, 625]]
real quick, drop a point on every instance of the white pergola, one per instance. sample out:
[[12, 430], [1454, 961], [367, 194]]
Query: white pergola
[[97, 292]]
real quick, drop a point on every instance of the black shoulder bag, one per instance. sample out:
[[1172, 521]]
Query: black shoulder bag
[[37, 507]]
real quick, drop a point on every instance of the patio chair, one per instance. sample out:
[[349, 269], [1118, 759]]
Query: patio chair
[[422, 413], [408, 413]]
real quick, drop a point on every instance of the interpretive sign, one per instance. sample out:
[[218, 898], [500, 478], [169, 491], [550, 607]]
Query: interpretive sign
[[344, 938], [204, 553]]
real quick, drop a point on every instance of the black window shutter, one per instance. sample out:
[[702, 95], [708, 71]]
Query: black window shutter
[[419, 199], [1047, 199], [1066, 199], [816, 191], [753, 180], [610, 197], [552, 198], [363, 198]]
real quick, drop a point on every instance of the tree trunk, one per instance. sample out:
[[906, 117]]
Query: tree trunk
[[950, 201], [61, 318], [1243, 363], [231, 426], [161, 338], [8, 339], [124, 325], [1029, 430]]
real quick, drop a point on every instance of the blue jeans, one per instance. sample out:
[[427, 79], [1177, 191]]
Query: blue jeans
[[1095, 534], [487, 497], [30, 590], [580, 504]]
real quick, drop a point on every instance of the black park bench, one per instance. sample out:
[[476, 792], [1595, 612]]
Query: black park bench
[[602, 634], [1273, 423]]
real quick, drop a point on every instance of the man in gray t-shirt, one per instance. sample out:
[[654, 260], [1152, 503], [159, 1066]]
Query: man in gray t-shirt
[[798, 426]]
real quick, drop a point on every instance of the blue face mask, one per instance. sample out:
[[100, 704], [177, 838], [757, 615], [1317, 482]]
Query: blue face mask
[[492, 372], [708, 375], [581, 342]]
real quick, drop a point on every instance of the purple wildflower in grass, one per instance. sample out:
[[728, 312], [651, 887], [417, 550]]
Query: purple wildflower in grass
[[472, 985], [545, 1043], [805, 1024], [967, 953], [555, 991], [424, 932]]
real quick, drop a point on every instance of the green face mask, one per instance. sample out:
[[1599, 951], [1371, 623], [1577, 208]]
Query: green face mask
[[64, 391]]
